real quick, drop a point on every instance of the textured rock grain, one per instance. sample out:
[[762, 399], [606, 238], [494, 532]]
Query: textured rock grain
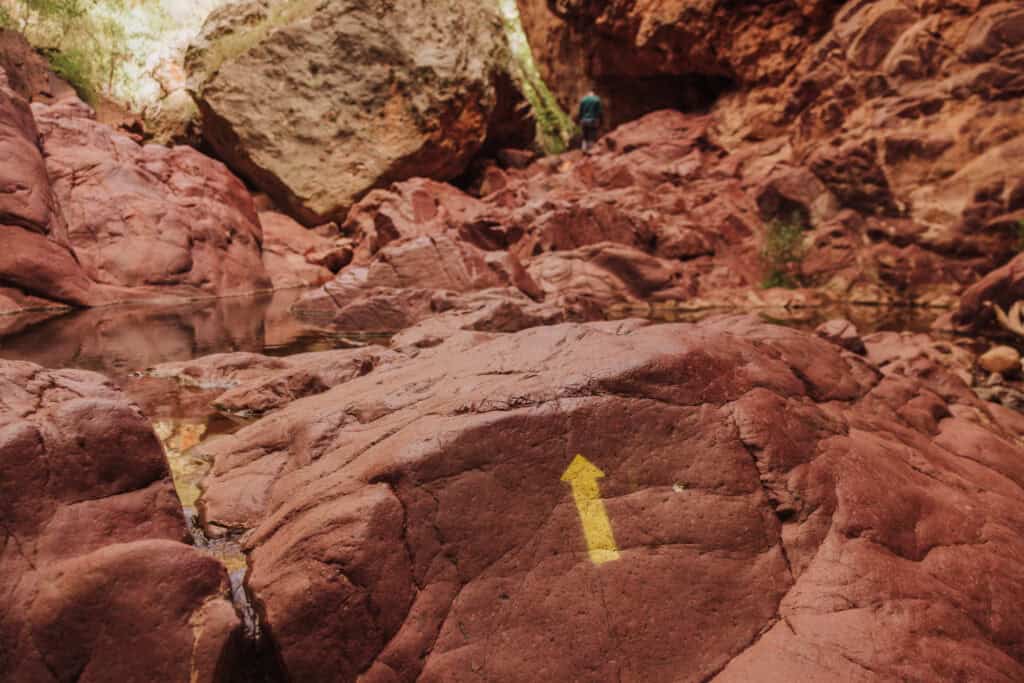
[[782, 510], [318, 103], [96, 580]]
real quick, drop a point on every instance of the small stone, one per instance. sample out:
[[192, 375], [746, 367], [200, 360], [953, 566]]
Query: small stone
[[842, 333], [1002, 359]]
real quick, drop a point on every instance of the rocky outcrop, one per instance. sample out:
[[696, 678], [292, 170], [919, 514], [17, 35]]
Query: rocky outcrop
[[36, 259], [410, 279], [89, 217], [97, 583], [295, 256], [426, 522], [492, 310], [252, 384], [318, 103], [1001, 288], [28, 74], [656, 212], [676, 54], [907, 112], [147, 217]]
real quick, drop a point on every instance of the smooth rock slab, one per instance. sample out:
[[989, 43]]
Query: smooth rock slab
[[780, 508]]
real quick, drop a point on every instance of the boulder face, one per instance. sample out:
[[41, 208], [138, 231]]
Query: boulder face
[[36, 259], [91, 533], [295, 256], [89, 217], [150, 216], [28, 73], [727, 501], [318, 103]]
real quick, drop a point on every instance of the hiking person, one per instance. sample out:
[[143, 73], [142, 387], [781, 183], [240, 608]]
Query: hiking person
[[590, 117]]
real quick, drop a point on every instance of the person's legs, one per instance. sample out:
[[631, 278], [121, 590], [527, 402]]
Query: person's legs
[[589, 136]]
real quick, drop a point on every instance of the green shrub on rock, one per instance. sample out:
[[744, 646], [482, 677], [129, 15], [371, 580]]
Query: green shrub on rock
[[75, 68], [783, 252]]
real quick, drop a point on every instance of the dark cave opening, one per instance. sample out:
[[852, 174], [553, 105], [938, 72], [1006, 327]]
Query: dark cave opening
[[628, 98]]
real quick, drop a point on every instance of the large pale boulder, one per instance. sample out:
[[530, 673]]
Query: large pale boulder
[[317, 103]]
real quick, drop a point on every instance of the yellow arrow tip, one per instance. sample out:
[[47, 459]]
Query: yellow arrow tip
[[581, 469]]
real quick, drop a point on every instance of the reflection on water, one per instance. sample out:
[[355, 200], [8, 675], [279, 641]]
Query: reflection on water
[[117, 340], [188, 468]]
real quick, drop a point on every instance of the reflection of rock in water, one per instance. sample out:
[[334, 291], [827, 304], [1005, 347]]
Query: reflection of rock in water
[[188, 468], [868, 318], [119, 339]]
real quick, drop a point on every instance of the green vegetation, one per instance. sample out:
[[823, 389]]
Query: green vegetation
[[111, 48], [83, 39], [74, 66], [783, 252], [554, 127]]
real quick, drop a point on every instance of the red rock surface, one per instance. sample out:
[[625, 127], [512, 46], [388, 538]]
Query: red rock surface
[[97, 584], [28, 73], [639, 54], [35, 259], [782, 511], [89, 217], [295, 256], [163, 219], [253, 384], [899, 121], [408, 280]]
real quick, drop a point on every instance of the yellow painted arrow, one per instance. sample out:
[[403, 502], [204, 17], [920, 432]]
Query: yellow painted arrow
[[582, 475]]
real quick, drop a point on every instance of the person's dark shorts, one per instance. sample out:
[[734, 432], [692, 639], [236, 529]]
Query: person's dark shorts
[[589, 130]]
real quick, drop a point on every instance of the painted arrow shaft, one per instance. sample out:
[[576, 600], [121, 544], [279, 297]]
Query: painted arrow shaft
[[597, 528]]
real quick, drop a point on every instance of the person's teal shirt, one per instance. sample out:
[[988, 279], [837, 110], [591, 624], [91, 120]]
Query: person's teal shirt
[[590, 109]]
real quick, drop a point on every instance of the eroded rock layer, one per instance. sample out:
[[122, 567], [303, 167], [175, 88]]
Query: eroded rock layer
[[776, 508], [89, 217], [658, 211], [910, 112]]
